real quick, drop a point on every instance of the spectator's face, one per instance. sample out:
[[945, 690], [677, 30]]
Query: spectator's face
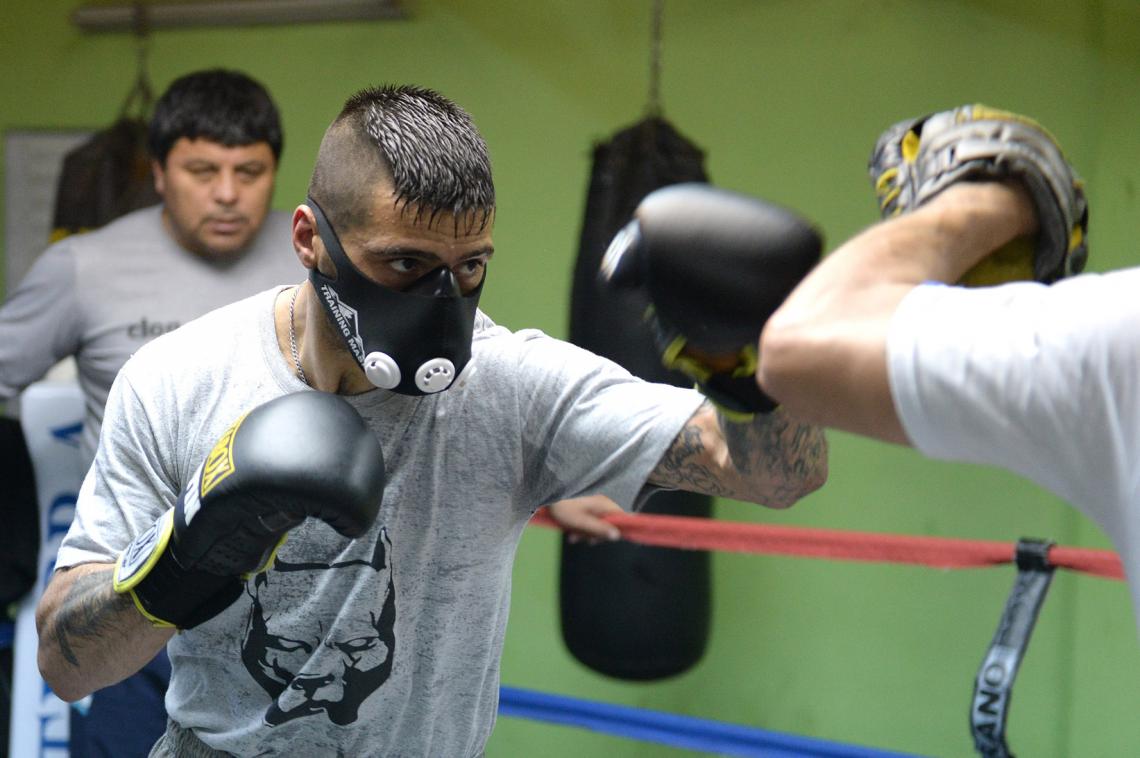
[[215, 197]]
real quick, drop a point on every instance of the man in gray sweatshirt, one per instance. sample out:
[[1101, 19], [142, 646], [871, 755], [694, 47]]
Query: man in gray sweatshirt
[[215, 140]]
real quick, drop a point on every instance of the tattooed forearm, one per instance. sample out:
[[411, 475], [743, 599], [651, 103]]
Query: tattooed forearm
[[685, 464], [776, 457], [88, 610], [773, 460], [91, 637]]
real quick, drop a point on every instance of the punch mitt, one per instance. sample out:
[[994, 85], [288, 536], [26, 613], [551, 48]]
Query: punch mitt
[[916, 159]]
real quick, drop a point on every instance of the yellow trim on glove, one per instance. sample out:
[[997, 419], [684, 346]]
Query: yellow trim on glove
[[269, 561], [220, 462], [736, 417], [671, 358], [910, 145], [1076, 238], [1012, 262], [885, 179], [748, 362], [156, 544]]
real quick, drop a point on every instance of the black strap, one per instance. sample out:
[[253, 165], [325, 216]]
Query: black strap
[[993, 685]]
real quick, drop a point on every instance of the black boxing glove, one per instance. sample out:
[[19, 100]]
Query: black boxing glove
[[715, 264], [300, 455]]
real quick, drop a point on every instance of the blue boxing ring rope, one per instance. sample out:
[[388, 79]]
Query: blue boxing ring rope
[[685, 732]]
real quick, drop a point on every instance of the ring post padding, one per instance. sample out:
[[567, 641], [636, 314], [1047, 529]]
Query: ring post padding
[[51, 414], [993, 685]]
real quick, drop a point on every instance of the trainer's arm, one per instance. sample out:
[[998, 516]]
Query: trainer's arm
[[91, 637], [773, 460], [823, 354], [34, 338]]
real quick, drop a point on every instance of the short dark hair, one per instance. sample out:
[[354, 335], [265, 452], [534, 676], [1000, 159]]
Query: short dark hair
[[426, 145], [223, 106]]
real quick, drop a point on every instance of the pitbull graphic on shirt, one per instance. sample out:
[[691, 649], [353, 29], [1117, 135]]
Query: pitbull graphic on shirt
[[307, 665]]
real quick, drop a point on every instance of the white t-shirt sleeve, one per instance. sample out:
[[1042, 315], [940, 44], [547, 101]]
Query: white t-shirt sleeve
[[1042, 381]]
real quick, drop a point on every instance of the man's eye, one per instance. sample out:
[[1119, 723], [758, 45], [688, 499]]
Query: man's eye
[[473, 266], [404, 265], [249, 173]]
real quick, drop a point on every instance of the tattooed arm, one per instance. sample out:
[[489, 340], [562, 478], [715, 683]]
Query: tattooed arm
[[774, 460], [91, 637]]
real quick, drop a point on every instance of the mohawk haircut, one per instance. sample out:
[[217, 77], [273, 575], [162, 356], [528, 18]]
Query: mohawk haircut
[[421, 142]]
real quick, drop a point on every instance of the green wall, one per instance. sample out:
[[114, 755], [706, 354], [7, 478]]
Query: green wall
[[787, 97]]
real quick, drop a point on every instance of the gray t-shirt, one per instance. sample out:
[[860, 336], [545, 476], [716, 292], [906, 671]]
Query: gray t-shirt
[[99, 296], [387, 645]]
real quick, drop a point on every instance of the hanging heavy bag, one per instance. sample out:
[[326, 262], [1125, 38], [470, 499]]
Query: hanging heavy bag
[[103, 178], [632, 611]]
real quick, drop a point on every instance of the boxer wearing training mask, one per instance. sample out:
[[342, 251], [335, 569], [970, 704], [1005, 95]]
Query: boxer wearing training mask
[[386, 643]]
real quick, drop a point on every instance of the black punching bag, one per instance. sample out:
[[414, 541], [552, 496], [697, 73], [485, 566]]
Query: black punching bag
[[103, 178], [632, 611]]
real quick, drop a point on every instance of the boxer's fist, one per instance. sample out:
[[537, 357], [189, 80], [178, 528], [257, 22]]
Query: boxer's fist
[[300, 455], [715, 265]]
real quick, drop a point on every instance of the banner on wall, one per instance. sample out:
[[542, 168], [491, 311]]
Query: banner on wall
[[33, 161], [52, 416]]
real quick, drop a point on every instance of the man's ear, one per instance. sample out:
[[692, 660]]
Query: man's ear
[[159, 175], [305, 236]]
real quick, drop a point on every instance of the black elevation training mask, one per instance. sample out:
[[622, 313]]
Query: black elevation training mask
[[416, 341]]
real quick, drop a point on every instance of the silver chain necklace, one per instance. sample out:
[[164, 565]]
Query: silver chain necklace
[[293, 336]]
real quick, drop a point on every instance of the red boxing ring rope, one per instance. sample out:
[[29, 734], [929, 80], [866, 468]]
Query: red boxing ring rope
[[740, 537]]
